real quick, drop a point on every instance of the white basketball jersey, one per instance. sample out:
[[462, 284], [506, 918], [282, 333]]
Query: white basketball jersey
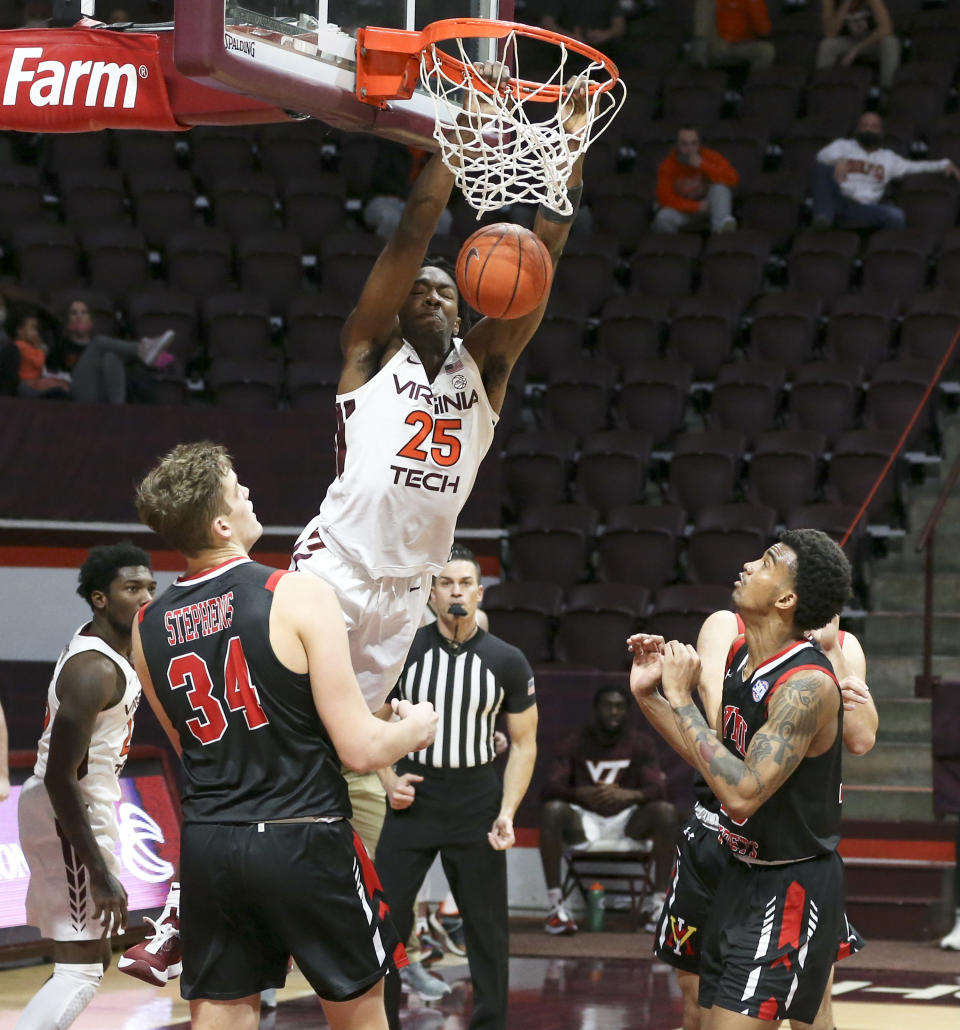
[[408, 451], [110, 740]]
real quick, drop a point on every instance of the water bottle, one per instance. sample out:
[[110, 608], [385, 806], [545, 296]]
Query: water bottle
[[596, 902]]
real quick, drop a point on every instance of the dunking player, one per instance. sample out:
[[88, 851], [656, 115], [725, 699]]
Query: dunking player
[[248, 670], [778, 907], [68, 824], [416, 409], [699, 859]]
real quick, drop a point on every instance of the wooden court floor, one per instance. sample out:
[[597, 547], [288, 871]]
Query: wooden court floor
[[580, 993]]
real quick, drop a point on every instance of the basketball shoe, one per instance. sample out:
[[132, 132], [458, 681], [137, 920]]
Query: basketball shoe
[[157, 958], [152, 350], [559, 921], [449, 929], [952, 941], [418, 981], [429, 945], [651, 910]]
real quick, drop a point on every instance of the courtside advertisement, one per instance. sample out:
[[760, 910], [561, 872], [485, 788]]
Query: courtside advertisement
[[148, 849]]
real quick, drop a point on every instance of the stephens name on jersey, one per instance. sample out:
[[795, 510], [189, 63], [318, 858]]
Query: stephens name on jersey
[[254, 748], [802, 819]]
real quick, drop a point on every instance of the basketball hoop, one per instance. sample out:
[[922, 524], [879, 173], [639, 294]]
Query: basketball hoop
[[499, 150]]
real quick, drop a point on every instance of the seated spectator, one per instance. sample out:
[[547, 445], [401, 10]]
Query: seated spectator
[[851, 176], [36, 380], [727, 32], [605, 784], [97, 363], [693, 187], [859, 30]]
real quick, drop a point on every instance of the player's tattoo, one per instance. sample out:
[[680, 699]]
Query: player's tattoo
[[796, 710], [795, 714], [720, 763]]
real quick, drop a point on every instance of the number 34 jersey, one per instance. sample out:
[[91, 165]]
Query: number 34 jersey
[[408, 451], [254, 747]]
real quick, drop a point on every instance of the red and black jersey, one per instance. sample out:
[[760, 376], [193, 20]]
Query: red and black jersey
[[802, 818], [254, 747]]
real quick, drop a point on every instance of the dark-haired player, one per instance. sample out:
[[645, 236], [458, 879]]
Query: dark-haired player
[[248, 671], [778, 906], [68, 824], [416, 410]]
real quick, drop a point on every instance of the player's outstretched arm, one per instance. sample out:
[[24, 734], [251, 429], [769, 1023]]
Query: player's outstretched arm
[[801, 712], [89, 683], [374, 319], [717, 633], [308, 635], [496, 343]]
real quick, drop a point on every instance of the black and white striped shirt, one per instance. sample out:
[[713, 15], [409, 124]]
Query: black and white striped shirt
[[467, 684]]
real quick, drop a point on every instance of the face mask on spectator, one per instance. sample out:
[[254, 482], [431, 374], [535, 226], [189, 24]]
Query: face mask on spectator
[[869, 140]]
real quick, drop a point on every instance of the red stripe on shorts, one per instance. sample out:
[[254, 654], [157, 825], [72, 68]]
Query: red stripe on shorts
[[792, 922], [768, 1010]]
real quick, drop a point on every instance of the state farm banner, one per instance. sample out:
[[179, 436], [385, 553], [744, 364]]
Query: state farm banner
[[78, 80]]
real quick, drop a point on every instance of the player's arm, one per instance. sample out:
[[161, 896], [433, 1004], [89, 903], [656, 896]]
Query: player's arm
[[522, 730], [88, 684], [717, 633], [799, 711], [146, 685], [374, 318], [860, 718], [308, 635], [4, 759], [496, 343]]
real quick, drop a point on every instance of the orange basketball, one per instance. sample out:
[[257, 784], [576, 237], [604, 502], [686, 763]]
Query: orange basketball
[[504, 270]]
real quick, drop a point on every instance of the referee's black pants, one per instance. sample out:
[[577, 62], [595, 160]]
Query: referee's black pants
[[452, 814]]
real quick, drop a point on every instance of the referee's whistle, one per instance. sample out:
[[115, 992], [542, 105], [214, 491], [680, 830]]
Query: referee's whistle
[[457, 610]]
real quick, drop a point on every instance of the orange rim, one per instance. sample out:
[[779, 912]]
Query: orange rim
[[523, 89]]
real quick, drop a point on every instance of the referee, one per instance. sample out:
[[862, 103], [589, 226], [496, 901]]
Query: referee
[[448, 798]]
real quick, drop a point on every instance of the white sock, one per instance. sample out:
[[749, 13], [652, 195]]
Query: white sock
[[172, 904], [554, 897], [63, 997]]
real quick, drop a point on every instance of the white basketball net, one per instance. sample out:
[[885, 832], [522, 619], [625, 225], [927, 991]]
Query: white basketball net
[[502, 156]]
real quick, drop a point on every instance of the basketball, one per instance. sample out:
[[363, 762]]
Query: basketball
[[504, 270]]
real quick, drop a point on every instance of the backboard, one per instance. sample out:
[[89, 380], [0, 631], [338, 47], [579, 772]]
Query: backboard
[[300, 54]]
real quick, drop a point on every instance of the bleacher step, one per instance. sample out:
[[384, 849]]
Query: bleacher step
[[872, 801], [892, 676], [904, 719], [902, 590], [894, 632], [891, 763]]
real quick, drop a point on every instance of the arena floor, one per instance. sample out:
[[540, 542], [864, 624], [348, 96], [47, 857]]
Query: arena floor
[[587, 982]]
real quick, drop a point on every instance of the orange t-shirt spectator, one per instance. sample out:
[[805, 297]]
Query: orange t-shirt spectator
[[739, 21], [35, 381], [727, 33], [693, 187]]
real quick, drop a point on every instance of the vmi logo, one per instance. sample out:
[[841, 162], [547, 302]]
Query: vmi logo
[[56, 84]]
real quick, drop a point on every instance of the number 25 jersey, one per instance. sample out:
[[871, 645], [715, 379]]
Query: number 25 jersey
[[254, 747], [408, 451]]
